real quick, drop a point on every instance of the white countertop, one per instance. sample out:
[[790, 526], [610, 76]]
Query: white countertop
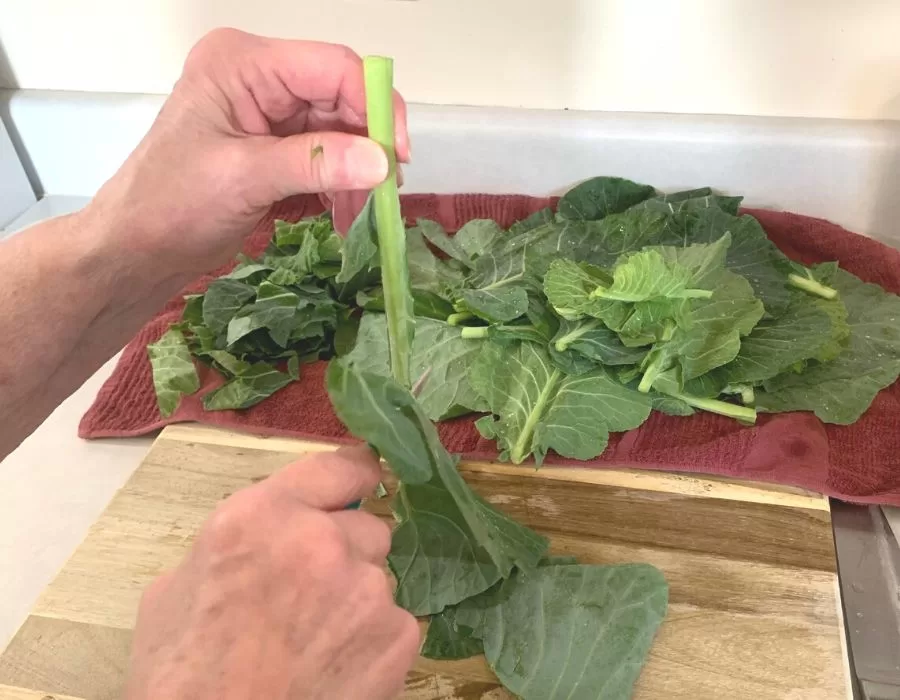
[[52, 489]]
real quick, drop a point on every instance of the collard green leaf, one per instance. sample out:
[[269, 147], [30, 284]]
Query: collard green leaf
[[450, 544], [447, 638], [751, 254], [275, 309], [439, 353], [691, 200], [478, 236], [602, 196], [541, 408], [360, 246], [495, 305], [570, 362], [539, 219], [174, 374], [247, 271], [435, 234], [425, 304], [227, 363], [713, 337], [427, 272], [253, 384], [222, 301], [380, 411], [589, 337], [575, 631], [841, 390], [777, 343], [647, 275]]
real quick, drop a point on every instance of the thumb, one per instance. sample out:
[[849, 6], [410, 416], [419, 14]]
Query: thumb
[[321, 162]]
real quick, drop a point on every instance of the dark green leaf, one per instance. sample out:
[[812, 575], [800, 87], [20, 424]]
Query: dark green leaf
[[275, 309], [223, 299], [495, 305], [360, 246], [478, 236], [751, 254], [777, 343], [574, 631], [436, 235], [438, 350], [595, 341], [602, 196], [840, 391], [450, 544], [255, 383]]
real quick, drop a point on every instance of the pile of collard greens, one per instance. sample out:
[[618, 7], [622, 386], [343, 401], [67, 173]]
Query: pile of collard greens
[[567, 326], [561, 329]]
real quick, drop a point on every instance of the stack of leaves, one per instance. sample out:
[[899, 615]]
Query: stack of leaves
[[256, 324], [548, 626], [568, 326]]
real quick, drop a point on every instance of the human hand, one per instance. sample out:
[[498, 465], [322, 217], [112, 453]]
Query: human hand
[[250, 122], [283, 596]]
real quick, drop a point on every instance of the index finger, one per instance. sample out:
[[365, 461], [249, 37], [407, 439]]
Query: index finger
[[329, 480]]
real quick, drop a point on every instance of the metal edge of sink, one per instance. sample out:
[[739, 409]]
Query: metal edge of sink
[[868, 561]]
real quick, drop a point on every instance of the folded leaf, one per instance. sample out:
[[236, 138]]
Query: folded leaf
[[434, 233], [174, 374], [360, 246]]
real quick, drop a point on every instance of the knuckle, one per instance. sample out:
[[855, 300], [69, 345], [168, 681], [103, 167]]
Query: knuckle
[[213, 43], [381, 533], [374, 586], [347, 54], [326, 543], [232, 520]]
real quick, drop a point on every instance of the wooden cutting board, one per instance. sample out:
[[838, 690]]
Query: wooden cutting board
[[753, 610]]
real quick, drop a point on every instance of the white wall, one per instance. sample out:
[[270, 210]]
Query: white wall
[[823, 58]]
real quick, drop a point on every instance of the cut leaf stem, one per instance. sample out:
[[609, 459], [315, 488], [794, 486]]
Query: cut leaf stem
[[807, 284], [379, 81]]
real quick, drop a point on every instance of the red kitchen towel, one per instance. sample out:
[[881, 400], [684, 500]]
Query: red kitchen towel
[[859, 463]]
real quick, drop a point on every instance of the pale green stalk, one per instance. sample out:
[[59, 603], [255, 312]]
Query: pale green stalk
[[398, 306], [807, 284]]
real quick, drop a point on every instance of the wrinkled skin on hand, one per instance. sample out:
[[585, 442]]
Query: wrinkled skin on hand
[[284, 595], [250, 122]]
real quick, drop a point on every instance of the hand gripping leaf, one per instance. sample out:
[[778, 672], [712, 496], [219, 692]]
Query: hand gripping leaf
[[450, 544]]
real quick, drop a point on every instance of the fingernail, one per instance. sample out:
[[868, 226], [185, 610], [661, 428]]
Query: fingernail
[[366, 164]]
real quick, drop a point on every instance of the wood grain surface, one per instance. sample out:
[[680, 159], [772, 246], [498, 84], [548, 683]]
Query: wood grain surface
[[753, 609]]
